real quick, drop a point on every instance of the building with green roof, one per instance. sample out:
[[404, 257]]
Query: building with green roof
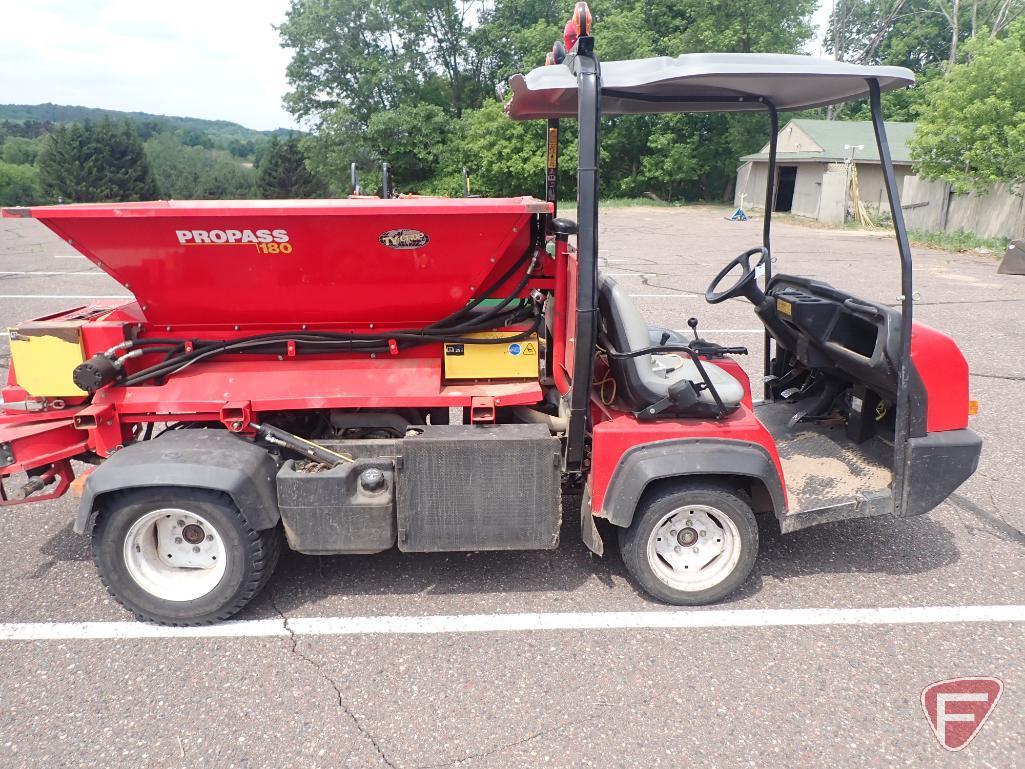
[[814, 168]]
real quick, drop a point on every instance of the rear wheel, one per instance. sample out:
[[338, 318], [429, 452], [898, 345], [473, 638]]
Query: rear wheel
[[180, 556], [691, 544]]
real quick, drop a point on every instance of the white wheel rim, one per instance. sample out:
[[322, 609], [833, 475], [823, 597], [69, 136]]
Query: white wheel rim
[[175, 555], [694, 548]]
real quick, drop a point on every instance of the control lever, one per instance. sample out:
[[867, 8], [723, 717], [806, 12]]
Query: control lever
[[710, 349], [713, 350]]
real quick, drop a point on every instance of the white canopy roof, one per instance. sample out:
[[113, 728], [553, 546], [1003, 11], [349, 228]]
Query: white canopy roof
[[702, 82]]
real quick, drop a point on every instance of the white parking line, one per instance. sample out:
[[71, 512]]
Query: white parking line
[[518, 623], [62, 296], [69, 256], [722, 330], [665, 296], [49, 272]]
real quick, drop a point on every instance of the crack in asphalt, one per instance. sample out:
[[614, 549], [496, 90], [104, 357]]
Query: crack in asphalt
[[1004, 377], [294, 638], [360, 727], [506, 745], [1009, 532]]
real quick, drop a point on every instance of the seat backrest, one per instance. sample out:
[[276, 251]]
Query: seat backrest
[[621, 321], [638, 385]]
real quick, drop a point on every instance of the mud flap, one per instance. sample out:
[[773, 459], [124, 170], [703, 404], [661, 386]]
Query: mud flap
[[588, 530]]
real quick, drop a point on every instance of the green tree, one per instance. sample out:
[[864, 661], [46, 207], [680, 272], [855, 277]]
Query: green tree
[[340, 140], [65, 168], [283, 172], [971, 127], [356, 53], [19, 185], [119, 161], [20, 151], [195, 173], [379, 78], [502, 156], [410, 139], [88, 162]]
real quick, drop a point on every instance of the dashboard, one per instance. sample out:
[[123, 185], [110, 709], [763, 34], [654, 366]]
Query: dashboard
[[831, 329]]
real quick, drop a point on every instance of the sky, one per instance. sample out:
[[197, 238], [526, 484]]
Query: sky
[[216, 59]]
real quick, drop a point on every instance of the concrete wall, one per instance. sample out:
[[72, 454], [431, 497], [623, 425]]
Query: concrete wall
[[833, 201], [751, 182], [930, 205]]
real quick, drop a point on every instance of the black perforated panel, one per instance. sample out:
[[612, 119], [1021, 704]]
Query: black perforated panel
[[473, 487]]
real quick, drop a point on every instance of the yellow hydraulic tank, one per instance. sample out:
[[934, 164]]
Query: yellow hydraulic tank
[[511, 360]]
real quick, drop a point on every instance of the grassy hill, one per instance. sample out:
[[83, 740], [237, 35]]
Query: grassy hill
[[63, 113]]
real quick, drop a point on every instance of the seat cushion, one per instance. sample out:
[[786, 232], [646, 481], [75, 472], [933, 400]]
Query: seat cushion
[[731, 392]]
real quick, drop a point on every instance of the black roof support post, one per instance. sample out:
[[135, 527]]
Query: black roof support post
[[902, 427], [770, 203], [585, 66]]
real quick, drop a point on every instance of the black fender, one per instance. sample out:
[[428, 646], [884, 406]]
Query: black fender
[[197, 458], [679, 458]]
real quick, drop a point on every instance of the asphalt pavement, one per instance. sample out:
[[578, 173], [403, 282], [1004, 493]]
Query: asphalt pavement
[[762, 679]]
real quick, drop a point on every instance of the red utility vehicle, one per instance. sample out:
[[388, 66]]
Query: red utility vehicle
[[290, 370]]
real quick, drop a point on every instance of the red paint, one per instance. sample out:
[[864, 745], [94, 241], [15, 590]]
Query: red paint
[[562, 382], [570, 333], [311, 383], [614, 437], [944, 373], [40, 439], [336, 270]]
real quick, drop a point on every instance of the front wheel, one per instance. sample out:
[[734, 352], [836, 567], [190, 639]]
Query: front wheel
[[180, 556], [691, 544]]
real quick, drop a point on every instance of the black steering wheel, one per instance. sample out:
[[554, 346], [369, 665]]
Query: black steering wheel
[[746, 285]]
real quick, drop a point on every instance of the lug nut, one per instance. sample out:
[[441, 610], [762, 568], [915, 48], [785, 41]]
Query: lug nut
[[695, 550], [177, 540], [677, 549], [196, 549]]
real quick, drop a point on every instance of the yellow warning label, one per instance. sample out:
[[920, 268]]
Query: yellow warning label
[[553, 147], [784, 308], [513, 360]]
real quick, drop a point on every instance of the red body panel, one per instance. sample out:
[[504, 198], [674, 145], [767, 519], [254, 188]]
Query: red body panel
[[615, 433], [614, 437], [321, 261], [944, 373], [303, 383]]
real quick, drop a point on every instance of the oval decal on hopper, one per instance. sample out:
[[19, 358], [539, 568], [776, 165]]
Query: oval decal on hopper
[[404, 239]]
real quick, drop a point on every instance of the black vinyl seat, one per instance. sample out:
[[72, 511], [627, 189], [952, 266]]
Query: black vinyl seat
[[645, 380]]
